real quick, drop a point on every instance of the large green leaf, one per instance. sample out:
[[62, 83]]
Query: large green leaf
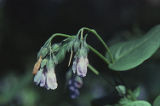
[[130, 54], [138, 103], [157, 101]]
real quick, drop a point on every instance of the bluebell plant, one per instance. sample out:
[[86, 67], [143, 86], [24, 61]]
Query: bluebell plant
[[52, 54], [122, 56]]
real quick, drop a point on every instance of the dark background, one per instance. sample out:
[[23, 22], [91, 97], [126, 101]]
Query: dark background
[[26, 24]]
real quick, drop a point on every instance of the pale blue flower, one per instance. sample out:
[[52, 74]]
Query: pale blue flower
[[40, 78], [51, 82], [82, 66], [46, 79]]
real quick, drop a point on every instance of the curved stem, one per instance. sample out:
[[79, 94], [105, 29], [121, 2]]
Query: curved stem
[[90, 47], [98, 54], [54, 35], [101, 40], [82, 33], [93, 69], [58, 34]]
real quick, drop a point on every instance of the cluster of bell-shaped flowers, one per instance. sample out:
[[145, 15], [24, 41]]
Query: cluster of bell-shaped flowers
[[50, 55], [79, 70], [45, 76], [74, 84]]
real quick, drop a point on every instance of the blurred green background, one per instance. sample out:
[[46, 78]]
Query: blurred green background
[[26, 24]]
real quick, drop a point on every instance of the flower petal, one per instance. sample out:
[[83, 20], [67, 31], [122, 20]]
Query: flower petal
[[43, 80], [51, 80], [82, 67], [74, 66], [37, 77]]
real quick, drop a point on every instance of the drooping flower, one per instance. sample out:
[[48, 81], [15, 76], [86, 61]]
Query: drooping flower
[[82, 66], [80, 62], [46, 76], [74, 66], [51, 81], [74, 84], [40, 78]]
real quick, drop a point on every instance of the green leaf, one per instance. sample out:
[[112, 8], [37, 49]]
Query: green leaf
[[136, 92], [121, 89], [138, 103], [157, 101], [130, 54], [127, 102]]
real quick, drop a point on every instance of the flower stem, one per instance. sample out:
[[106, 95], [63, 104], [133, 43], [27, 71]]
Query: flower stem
[[98, 54], [58, 34], [93, 69], [101, 40], [90, 47]]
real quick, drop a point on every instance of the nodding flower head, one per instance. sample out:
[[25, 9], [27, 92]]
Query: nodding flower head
[[80, 62], [82, 66], [51, 81], [74, 84], [40, 78], [46, 77]]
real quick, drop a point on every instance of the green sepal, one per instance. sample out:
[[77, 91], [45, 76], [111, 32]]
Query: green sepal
[[136, 92], [43, 52], [76, 44], [55, 47], [83, 52], [70, 45], [61, 54], [121, 89], [44, 62], [50, 64], [55, 59]]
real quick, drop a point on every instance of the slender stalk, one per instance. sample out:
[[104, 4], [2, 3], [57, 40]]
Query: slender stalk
[[59, 34], [93, 69], [82, 34], [54, 35], [90, 47], [101, 40], [70, 59], [99, 54]]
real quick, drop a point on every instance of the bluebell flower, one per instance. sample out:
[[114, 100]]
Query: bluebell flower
[[40, 78], [74, 84], [51, 81], [46, 76], [80, 65]]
